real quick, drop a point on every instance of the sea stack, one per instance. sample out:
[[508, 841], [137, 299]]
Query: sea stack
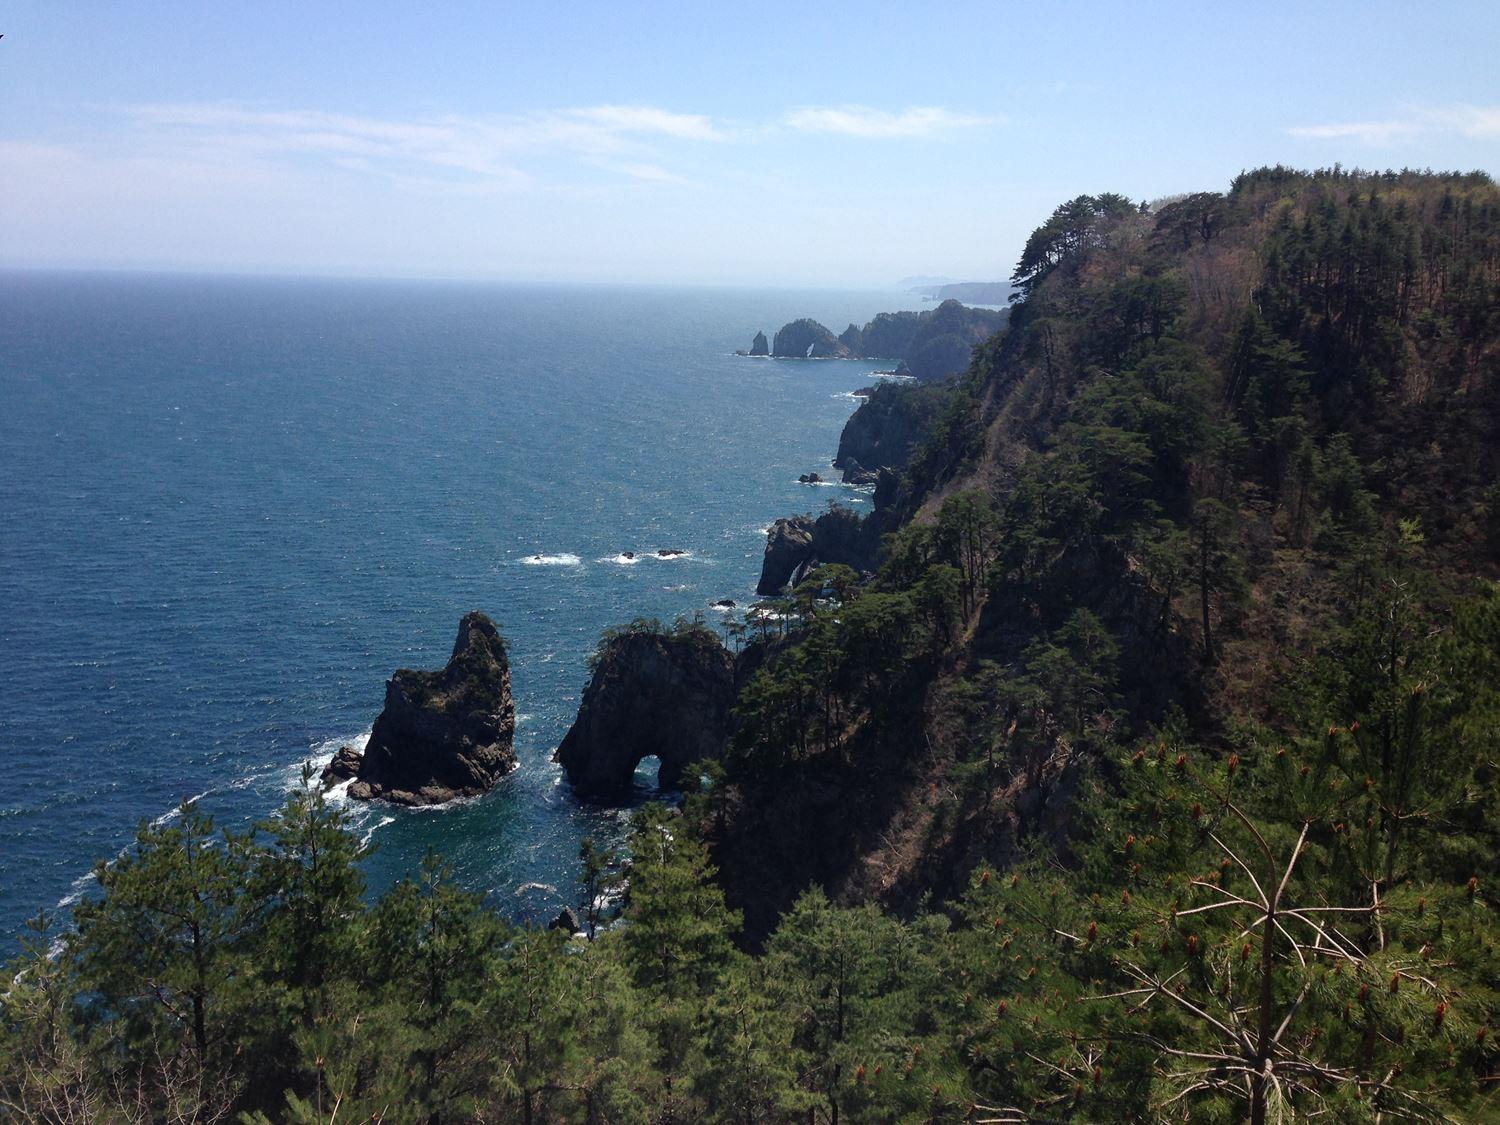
[[444, 734], [667, 694], [760, 345]]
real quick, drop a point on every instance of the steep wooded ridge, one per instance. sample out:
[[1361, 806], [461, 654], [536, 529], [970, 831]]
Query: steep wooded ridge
[[1145, 772]]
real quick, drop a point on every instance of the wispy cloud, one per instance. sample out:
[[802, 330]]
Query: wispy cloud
[[878, 124], [478, 150], [1467, 120]]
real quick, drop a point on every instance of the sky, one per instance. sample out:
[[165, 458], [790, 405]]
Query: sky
[[817, 144]]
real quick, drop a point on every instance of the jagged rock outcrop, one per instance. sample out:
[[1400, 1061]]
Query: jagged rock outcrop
[[853, 339], [886, 429], [808, 338], [566, 921], [343, 767], [444, 734], [788, 545], [760, 345], [796, 544], [667, 694]]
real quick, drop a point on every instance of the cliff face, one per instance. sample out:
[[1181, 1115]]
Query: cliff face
[[666, 694], [930, 344], [886, 429], [444, 734], [797, 544], [808, 338]]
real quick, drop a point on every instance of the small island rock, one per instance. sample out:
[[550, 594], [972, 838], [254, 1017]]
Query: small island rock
[[444, 734]]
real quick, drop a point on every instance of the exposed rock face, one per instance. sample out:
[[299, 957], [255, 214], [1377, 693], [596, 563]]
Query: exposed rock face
[[344, 766], [853, 339], [760, 346], [666, 694], [886, 429], [566, 921], [808, 338], [788, 545], [444, 734], [796, 545]]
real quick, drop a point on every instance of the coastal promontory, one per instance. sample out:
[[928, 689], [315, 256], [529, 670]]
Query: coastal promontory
[[809, 339], [656, 692], [443, 734]]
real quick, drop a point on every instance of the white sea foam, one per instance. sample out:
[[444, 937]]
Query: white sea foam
[[379, 824], [552, 560]]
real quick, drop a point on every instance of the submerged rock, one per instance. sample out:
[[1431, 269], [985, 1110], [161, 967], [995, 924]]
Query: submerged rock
[[652, 693], [444, 734]]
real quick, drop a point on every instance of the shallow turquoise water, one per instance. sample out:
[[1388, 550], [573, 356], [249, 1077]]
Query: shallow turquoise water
[[229, 508]]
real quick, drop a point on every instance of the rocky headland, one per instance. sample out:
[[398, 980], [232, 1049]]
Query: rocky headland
[[652, 692], [927, 345], [807, 339], [442, 734]]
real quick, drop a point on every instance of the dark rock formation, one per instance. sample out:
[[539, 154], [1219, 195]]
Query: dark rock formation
[[886, 429], [344, 766], [566, 921], [760, 346], [666, 694], [796, 545], [724, 603], [670, 552], [444, 734], [810, 339], [930, 344], [788, 546], [810, 478]]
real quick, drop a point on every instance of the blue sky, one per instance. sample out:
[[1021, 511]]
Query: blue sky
[[818, 144]]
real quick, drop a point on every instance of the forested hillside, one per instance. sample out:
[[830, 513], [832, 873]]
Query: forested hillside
[[1151, 777]]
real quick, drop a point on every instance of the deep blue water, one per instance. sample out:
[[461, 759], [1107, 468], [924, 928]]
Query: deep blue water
[[229, 508]]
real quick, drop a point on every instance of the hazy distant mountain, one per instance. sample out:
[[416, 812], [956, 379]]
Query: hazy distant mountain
[[970, 292]]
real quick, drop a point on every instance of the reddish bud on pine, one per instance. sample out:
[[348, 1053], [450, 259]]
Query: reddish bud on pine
[[984, 878], [1438, 1013], [1093, 930], [1181, 762], [1234, 764]]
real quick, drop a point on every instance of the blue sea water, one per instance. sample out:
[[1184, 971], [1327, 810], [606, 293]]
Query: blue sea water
[[230, 507]]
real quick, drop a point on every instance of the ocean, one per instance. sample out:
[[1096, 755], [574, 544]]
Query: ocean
[[231, 507]]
